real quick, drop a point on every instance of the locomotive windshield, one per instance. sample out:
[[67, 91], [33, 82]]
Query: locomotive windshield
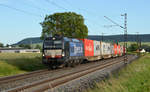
[[53, 44]]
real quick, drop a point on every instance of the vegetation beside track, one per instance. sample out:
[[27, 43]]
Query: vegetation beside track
[[16, 63], [133, 78], [130, 43]]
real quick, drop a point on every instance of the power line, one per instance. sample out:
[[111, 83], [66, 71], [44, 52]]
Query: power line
[[87, 11], [84, 10], [113, 22], [34, 6], [67, 2], [125, 33], [91, 21], [55, 4], [19, 10], [51, 2]]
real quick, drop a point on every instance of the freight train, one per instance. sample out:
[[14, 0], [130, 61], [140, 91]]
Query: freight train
[[63, 51]]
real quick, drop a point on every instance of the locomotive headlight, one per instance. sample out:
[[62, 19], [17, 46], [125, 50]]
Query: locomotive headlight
[[43, 55], [63, 54]]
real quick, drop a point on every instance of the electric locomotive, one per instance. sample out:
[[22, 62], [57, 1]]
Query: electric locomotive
[[62, 51]]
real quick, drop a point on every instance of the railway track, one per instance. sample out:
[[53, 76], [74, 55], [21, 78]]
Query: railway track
[[20, 76], [10, 80], [35, 80], [52, 82]]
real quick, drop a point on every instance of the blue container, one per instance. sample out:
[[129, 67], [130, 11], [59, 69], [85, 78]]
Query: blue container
[[76, 48]]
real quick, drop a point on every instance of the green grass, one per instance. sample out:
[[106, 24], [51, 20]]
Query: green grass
[[134, 78], [16, 63]]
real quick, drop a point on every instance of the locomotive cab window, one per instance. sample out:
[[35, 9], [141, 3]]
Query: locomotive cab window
[[57, 44]]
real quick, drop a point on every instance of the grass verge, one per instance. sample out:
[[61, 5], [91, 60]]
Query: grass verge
[[133, 78], [16, 63]]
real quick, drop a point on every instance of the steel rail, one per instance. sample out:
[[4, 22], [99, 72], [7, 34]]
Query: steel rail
[[19, 76], [75, 76], [72, 75], [24, 76], [8, 79]]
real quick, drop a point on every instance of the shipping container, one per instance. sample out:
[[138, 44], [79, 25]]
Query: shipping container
[[119, 50], [76, 48], [106, 50], [124, 50], [115, 50], [97, 49], [112, 49], [88, 47]]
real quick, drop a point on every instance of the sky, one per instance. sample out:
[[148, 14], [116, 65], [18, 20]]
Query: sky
[[20, 19]]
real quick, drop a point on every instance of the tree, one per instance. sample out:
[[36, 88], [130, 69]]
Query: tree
[[38, 46], [21, 45], [1, 45], [27, 46], [146, 47], [68, 24], [133, 47], [7, 45]]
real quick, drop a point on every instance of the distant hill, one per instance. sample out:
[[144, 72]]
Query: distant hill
[[34, 40], [110, 38]]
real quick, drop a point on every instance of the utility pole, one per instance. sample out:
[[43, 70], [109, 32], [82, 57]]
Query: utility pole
[[137, 39], [31, 44], [125, 37], [103, 36], [125, 34], [138, 44]]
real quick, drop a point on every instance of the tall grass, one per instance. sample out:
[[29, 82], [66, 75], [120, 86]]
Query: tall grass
[[133, 78], [16, 63]]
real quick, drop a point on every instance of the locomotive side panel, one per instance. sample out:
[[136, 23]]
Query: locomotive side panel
[[76, 49]]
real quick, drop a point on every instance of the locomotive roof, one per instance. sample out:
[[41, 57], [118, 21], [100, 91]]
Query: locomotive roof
[[64, 38]]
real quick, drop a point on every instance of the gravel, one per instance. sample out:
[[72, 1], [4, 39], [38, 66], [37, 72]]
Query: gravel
[[73, 86], [88, 81]]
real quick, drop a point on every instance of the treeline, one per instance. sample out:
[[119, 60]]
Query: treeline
[[2, 45], [28, 46], [25, 46], [135, 47]]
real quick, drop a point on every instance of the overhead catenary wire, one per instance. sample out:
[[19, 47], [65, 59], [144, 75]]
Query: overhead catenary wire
[[34, 6], [20, 10], [55, 4], [113, 22], [86, 11]]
